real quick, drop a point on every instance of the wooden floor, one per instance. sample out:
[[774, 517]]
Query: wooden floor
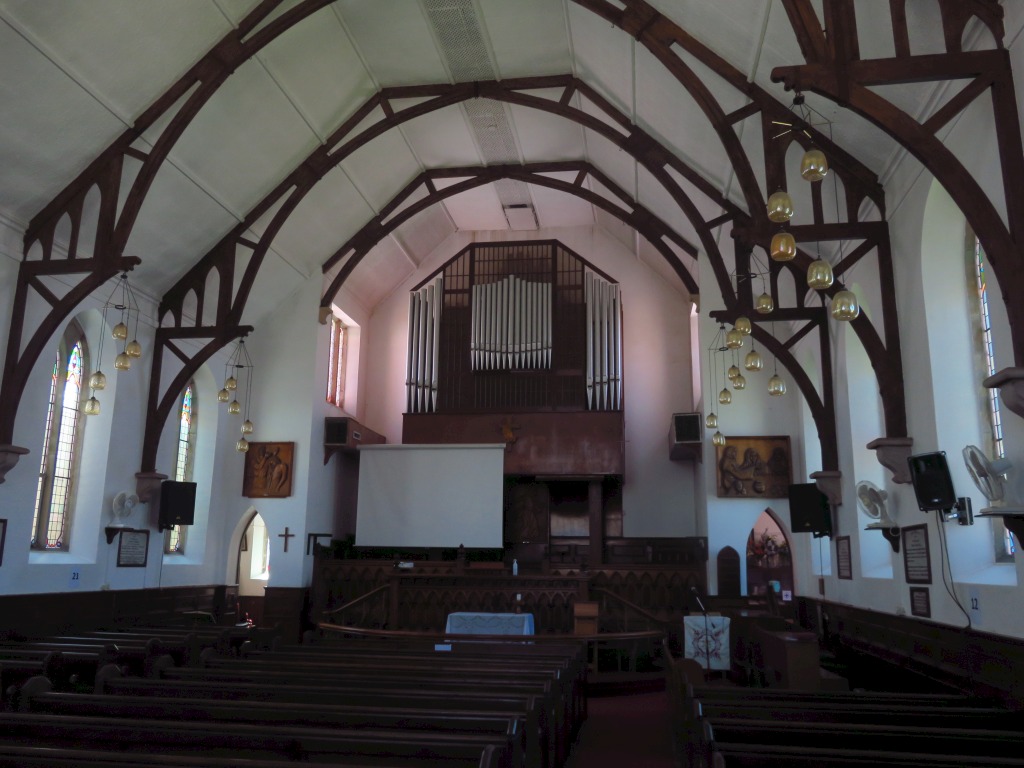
[[625, 730]]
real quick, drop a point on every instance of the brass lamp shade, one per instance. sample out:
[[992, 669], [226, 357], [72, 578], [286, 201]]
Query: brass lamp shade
[[133, 348], [247, 427], [783, 247], [119, 331], [711, 421], [223, 396], [242, 446], [733, 372], [718, 438], [764, 304], [122, 362], [739, 382], [92, 407], [813, 166], [98, 380], [742, 325], [845, 305], [776, 385], [819, 275], [753, 361], [780, 206], [734, 338], [235, 407], [724, 397], [231, 384]]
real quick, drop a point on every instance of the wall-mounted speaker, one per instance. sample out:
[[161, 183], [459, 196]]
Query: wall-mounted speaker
[[177, 504], [933, 485], [809, 510], [686, 437]]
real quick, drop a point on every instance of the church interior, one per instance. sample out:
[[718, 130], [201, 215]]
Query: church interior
[[686, 337]]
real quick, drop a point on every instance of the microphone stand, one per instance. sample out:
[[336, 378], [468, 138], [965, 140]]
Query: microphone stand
[[707, 637]]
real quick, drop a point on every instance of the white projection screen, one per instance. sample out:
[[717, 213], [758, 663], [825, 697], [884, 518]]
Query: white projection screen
[[430, 495]]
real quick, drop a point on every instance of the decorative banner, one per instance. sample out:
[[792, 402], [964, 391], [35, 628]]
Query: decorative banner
[[707, 640], [917, 564]]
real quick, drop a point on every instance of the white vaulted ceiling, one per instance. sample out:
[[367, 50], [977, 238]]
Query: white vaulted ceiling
[[78, 73]]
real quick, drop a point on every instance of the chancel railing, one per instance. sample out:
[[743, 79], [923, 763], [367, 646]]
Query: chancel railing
[[520, 326]]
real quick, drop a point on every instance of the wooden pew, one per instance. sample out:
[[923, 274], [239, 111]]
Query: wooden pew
[[531, 706], [507, 725], [382, 747]]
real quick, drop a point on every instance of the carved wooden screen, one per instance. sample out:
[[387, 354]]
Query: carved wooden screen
[[514, 332]]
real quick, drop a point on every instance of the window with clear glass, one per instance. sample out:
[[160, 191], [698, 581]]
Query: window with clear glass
[[174, 541], [336, 367], [986, 348], [259, 567], [58, 467]]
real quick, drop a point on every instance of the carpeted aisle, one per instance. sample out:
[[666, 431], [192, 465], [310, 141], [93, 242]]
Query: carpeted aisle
[[630, 731]]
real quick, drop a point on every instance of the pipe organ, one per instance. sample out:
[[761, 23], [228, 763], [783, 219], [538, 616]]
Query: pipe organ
[[604, 344], [511, 325], [422, 370], [515, 326]]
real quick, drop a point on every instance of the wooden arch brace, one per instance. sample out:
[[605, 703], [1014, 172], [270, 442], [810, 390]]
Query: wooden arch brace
[[836, 71]]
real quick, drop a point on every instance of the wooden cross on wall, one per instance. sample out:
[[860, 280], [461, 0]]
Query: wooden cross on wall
[[286, 536]]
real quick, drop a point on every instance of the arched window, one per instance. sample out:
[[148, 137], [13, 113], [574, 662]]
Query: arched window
[[58, 467], [336, 366], [986, 354], [174, 540]]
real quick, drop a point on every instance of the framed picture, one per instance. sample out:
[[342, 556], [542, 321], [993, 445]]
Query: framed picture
[[3, 539], [917, 564], [844, 559], [920, 602], [754, 467], [268, 470], [133, 549]]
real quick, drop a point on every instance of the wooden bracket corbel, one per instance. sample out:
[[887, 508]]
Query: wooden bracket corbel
[[9, 455]]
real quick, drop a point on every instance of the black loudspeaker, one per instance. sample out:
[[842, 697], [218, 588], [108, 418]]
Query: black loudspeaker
[[809, 510], [177, 504], [686, 437], [932, 483], [687, 428]]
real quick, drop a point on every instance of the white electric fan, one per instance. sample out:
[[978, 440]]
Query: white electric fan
[[122, 506], [990, 477], [872, 500]]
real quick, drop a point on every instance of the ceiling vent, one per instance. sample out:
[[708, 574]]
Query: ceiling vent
[[521, 217]]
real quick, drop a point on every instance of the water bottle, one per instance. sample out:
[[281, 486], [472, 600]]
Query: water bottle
[[515, 567]]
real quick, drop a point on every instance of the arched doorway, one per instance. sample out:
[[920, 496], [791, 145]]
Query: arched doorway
[[769, 557], [253, 570]]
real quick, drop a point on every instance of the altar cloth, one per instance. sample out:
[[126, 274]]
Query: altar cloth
[[474, 623]]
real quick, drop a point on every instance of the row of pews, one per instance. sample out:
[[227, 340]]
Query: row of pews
[[724, 726], [161, 697]]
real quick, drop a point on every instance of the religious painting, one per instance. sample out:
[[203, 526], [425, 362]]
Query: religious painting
[[268, 470], [754, 467]]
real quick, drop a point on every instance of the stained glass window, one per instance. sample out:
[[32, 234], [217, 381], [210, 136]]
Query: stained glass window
[[336, 366], [175, 541], [995, 417], [55, 489]]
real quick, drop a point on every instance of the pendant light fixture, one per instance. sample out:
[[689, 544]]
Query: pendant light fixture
[[734, 338], [753, 362], [780, 206], [845, 305], [718, 439], [813, 165], [239, 367], [783, 246], [121, 300], [820, 275]]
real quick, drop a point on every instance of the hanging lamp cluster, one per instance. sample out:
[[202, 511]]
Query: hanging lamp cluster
[[813, 168], [121, 301], [239, 368]]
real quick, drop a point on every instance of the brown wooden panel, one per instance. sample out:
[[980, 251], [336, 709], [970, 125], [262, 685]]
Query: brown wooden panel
[[545, 443]]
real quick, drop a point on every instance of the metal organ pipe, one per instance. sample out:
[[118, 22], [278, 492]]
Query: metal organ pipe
[[603, 343], [424, 347]]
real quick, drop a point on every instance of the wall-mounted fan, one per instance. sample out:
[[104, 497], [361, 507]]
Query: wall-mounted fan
[[991, 479], [872, 500], [122, 505]]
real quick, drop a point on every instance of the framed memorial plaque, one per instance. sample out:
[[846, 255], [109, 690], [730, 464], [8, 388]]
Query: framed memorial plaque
[[844, 560], [132, 549], [917, 564], [920, 602]]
